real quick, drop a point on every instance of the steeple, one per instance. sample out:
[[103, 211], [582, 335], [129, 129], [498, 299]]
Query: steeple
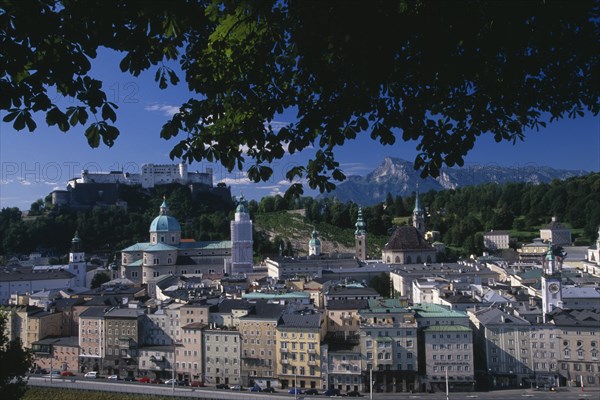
[[314, 244], [418, 215], [360, 236], [164, 208], [361, 226]]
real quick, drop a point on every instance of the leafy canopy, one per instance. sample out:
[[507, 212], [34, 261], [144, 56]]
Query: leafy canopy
[[15, 361], [438, 73]]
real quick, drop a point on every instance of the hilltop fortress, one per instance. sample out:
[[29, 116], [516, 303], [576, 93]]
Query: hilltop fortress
[[103, 188]]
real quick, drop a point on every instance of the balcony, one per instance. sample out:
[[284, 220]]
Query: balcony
[[312, 363], [312, 351], [126, 344], [285, 362], [284, 350]]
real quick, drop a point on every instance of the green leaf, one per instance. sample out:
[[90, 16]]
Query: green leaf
[[10, 116], [108, 113], [93, 136], [19, 123]]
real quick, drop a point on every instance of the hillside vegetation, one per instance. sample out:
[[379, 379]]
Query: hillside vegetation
[[461, 216]]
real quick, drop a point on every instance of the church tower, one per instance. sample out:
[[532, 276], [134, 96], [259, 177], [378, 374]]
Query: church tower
[[77, 264], [314, 245], [241, 240], [551, 282], [419, 215], [360, 236]]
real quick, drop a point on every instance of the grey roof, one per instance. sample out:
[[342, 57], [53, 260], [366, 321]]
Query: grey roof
[[495, 316], [359, 304], [571, 292], [103, 301], [124, 313], [72, 341], [66, 304], [265, 310], [311, 320], [351, 291], [228, 305], [93, 312], [574, 318], [28, 274]]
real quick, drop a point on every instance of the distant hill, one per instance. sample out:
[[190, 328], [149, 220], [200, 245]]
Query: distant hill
[[398, 177]]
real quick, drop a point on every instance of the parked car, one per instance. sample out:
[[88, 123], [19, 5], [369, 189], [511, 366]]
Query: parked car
[[40, 371], [157, 381], [53, 374], [311, 391], [222, 386], [197, 384], [67, 373], [171, 381], [236, 387], [295, 391], [269, 389], [144, 379], [354, 393], [184, 382], [91, 375], [331, 392], [256, 388], [113, 377], [129, 378]]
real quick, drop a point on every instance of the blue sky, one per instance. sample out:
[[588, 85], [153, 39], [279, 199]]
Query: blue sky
[[33, 164]]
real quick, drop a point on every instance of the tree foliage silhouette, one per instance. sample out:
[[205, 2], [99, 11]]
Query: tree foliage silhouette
[[438, 73]]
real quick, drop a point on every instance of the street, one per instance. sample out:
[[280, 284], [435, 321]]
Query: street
[[211, 393]]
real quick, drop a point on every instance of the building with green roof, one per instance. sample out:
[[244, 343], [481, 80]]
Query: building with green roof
[[167, 253]]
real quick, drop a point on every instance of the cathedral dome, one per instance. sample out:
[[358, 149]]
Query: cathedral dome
[[165, 222]]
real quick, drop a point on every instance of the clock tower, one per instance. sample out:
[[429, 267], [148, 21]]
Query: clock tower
[[551, 282]]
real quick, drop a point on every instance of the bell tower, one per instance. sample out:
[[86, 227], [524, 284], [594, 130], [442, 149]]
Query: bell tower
[[77, 264], [551, 281], [360, 236]]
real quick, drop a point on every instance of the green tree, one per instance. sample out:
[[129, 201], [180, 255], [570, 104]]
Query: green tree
[[454, 71], [15, 361], [381, 283], [99, 279]]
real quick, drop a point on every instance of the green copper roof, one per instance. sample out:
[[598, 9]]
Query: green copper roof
[[446, 328], [314, 240], [430, 310], [242, 206], [268, 296], [361, 226]]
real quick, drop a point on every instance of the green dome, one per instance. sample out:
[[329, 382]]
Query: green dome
[[242, 206], [315, 240], [165, 223]]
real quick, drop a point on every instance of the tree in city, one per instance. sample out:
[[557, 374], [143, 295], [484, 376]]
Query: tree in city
[[15, 361], [439, 73], [99, 279]]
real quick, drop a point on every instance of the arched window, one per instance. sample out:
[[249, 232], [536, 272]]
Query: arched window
[[419, 259], [388, 259], [397, 260], [408, 259], [428, 259]]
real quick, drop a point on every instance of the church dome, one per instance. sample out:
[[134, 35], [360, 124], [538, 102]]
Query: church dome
[[165, 222], [407, 238], [242, 206], [314, 241]]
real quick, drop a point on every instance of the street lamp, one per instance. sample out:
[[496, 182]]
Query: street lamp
[[372, 383]]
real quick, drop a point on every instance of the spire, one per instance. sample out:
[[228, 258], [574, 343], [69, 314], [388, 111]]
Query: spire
[[417, 202], [361, 226], [164, 208]]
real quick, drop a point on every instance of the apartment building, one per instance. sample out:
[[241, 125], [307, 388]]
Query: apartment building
[[299, 337], [258, 332]]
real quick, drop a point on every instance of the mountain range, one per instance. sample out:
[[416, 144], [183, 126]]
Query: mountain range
[[398, 177]]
